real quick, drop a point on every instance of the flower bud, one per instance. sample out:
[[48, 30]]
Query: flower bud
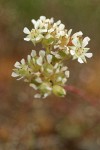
[[59, 91], [45, 88]]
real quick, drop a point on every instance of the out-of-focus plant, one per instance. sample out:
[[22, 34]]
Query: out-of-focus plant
[[45, 71]]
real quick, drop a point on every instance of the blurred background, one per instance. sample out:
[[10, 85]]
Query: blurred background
[[70, 123]]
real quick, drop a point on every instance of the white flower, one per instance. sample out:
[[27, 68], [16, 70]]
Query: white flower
[[79, 50]]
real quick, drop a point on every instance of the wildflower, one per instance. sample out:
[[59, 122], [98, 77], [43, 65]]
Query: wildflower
[[45, 72], [79, 50]]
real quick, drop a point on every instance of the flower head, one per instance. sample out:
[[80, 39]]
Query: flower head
[[78, 50]]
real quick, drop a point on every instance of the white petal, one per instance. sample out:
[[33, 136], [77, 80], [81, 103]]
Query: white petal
[[39, 37], [39, 61], [56, 65], [26, 30], [43, 30], [17, 65], [59, 79], [69, 32], [45, 95], [52, 20], [38, 80], [37, 73], [67, 74], [64, 80], [77, 34], [29, 58], [85, 41], [88, 55], [33, 21], [58, 56], [14, 74], [62, 33], [64, 68], [26, 39], [72, 52], [20, 78], [75, 41], [58, 22], [49, 88], [42, 18], [51, 30], [49, 58], [33, 86], [36, 25], [23, 61], [61, 27], [42, 53], [48, 36], [33, 53], [80, 60], [49, 70], [57, 70], [56, 46], [37, 96]]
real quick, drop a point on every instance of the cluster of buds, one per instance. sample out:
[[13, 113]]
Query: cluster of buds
[[45, 71]]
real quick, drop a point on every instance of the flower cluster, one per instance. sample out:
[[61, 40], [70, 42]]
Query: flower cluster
[[45, 71], [42, 73], [53, 36]]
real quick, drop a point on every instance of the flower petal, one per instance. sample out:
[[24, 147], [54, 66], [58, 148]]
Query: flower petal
[[17, 65], [14, 74], [42, 18], [38, 79], [64, 68], [88, 55], [67, 74], [33, 86], [42, 53], [69, 32], [72, 52], [23, 61], [39, 61], [37, 96], [61, 26], [33, 21], [77, 34], [33, 53], [49, 58], [85, 41], [26, 30], [26, 39], [80, 60], [29, 58], [75, 41], [45, 95]]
